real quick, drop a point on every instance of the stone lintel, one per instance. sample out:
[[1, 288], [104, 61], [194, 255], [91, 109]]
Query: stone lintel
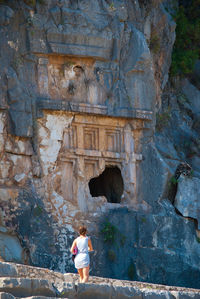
[[81, 50], [90, 153], [47, 104], [93, 154], [80, 45]]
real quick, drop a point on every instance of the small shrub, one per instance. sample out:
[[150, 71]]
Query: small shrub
[[186, 48], [173, 180], [112, 7], [109, 232], [37, 211], [144, 220], [198, 239], [162, 120], [191, 174]]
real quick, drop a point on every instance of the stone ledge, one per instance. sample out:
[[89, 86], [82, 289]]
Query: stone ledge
[[59, 105], [26, 281], [81, 45], [5, 295]]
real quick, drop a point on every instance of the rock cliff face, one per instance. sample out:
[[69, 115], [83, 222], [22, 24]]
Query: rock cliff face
[[81, 82]]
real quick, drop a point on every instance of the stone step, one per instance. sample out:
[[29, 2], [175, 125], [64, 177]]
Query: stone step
[[11, 288], [10, 296], [19, 270], [21, 281], [26, 287]]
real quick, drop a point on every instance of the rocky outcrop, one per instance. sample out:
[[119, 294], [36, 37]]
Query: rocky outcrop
[[81, 82], [23, 281], [187, 198]]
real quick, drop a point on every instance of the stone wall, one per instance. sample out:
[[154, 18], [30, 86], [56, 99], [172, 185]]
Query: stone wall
[[25, 281]]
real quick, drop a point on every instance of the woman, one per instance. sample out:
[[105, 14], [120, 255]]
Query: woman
[[82, 259]]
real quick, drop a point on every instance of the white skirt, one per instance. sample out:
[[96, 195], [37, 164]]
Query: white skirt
[[82, 260]]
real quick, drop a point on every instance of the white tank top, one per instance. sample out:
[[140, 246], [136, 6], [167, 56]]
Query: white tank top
[[82, 244]]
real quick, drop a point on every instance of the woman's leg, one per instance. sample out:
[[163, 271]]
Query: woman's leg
[[85, 274], [80, 272]]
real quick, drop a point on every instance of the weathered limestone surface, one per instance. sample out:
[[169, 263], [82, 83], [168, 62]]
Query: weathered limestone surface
[[188, 188], [80, 84], [31, 282]]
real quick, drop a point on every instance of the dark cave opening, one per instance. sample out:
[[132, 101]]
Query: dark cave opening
[[109, 184]]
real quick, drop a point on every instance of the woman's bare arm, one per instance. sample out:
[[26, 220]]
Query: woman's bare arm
[[73, 246], [90, 245]]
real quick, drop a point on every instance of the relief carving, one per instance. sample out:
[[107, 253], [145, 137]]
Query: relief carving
[[95, 146]]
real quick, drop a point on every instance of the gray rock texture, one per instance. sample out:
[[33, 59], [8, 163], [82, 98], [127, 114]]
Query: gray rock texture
[[84, 88], [32, 282], [187, 198]]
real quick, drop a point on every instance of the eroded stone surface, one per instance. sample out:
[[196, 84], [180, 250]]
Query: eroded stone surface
[[187, 197], [80, 85], [31, 282]]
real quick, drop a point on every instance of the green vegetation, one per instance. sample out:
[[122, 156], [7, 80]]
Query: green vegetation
[[109, 231], [37, 211], [113, 237], [186, 48], [173, 180], [198, 239], [191, 174], [112, 7], [111, 234], [144, 220], [162, 120]]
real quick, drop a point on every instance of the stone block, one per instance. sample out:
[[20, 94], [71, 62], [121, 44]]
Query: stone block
[[193, 95], [153, 176], [10, 248], [72, 44], [90, 290], [157, 294], [7, 269], [22, 128], [165, 147], [125, 291], [185, 294], [6, 296], [24, 287], [6, 14], [188, 188], [20, 147]]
